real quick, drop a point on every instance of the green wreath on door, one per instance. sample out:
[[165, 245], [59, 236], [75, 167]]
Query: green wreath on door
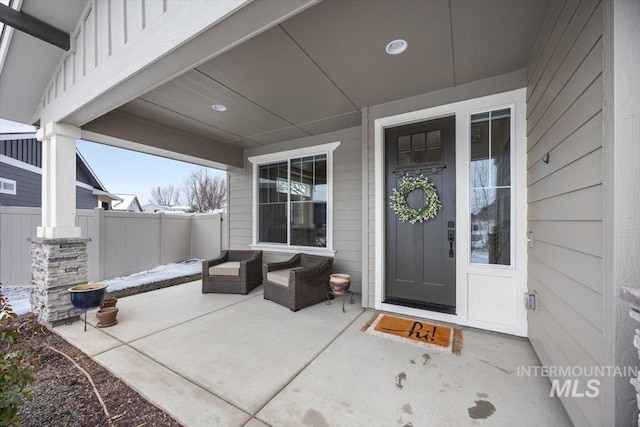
[[407, 213]]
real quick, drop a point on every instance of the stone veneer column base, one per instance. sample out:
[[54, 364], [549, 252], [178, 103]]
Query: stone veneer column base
[[56, 265], [631, 296]]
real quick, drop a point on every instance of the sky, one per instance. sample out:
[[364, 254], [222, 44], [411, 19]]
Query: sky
[[127, 172]]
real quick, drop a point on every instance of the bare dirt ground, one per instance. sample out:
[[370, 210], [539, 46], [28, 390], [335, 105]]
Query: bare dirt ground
[[63, 395]]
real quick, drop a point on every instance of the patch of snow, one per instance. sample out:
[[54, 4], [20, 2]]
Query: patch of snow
[[18, 296], [158, 274]]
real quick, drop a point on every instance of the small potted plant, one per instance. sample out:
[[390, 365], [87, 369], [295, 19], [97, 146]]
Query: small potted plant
[[109, 302], [107, 317], [340, 283]]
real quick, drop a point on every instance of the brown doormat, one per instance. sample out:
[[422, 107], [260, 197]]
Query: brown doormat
[[416, 332]]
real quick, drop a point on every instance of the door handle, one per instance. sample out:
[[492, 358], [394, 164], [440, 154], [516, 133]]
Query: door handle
[[451, 235]]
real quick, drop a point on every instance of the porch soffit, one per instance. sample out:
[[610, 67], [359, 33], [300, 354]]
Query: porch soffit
[[314, 72], [32, 61]]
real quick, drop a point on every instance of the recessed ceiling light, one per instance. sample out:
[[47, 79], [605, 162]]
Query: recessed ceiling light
[[219, 107], [396, 47]]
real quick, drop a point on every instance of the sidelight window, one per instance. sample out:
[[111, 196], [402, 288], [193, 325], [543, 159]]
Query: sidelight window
[[491, 191]]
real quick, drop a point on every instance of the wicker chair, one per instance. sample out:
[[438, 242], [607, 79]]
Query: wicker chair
[[233, 272], [299, 282]]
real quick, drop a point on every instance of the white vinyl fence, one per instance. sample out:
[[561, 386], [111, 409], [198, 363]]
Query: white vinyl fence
[[121, 243]]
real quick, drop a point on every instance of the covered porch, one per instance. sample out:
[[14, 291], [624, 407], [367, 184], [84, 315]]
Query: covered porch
[[260, 86], [237, 360]]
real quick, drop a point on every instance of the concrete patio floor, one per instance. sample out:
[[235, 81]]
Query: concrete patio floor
[[234, 360]]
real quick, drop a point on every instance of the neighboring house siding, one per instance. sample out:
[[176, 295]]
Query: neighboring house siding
[[85, 198], [490, 86], [347, 201], [564, 120], [29, 190], [25, 150], [29, 150], [28, 187], [82, 176]]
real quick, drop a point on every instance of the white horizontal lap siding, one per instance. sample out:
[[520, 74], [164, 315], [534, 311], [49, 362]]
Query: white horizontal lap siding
[[347, 201], [240, 216], [564, 120]]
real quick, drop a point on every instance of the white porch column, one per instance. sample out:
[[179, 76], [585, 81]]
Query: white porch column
[[621, 186], [58, 181]]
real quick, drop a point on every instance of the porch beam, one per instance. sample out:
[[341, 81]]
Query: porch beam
[[131, 132], [160, 54], [34, 27]]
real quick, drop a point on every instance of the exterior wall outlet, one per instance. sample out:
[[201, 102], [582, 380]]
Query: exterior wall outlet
[[529, 301], [530, 239]]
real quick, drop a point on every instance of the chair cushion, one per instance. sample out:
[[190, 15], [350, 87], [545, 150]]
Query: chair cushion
[[281, 277], [230, 268]]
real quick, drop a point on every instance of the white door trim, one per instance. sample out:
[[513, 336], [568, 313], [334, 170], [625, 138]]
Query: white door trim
[[518, 273]]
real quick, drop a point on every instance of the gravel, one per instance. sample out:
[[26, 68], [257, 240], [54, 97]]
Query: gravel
[[63, 396]]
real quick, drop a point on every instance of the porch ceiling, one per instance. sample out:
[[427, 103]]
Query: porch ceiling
[[309, 75], [314, 73]]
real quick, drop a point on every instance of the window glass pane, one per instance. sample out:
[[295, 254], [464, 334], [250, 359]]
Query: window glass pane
[[417, 141], [501, 147], [309, 206], [265, 184], [491, 226], [404, 143], [273, 223], [301, 179], [490, 179], [295, 176], [273, 183], [282, 172], [308, 224], [480, 164], [320, 186], [272, 203], [301, 184], [433, 138], [404, 158], [434, 155], [419, 156]]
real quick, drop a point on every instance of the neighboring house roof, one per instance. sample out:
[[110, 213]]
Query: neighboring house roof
[[96, 183], [103, 196], [149, 206], [182, 208], [129, 202], [154, 207]]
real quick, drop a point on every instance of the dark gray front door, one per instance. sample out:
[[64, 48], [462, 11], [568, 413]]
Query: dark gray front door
[[420, 258]]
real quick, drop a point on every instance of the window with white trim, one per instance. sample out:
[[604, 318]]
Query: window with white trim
[[490, 179], [7, 186], [292, 198]]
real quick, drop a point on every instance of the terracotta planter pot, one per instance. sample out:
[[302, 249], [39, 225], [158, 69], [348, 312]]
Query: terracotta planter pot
[[107, 317], [109, 302], [340, 283]]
